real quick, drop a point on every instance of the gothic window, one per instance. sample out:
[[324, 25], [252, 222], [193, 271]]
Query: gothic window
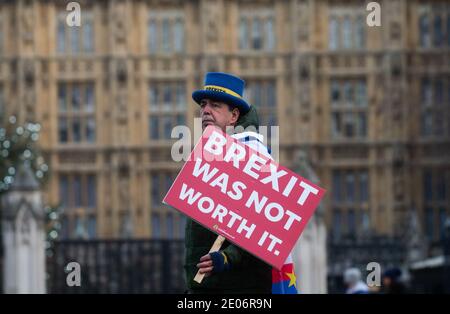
[[166, 47], [337, 186], [361, 124], [154, 128], [350, 187], [361, 94], [441, 187], [155, 190], [62, 103], [349, 93], [438, 38], [424, 30], [256, 34], [348, 99], [434, 27], [179, 35], [78, 191], [333, 34], [64, 190], [448, 29], [76, 129], [90, 129], [335, 93], [65, 228], [243, 33], [162, 215], [428, 186], [169, 226], [346, 28], [439, 92], [166, 32], [429, 223], [434, 115], [442, 221], [92, 227], [435, 200], [180, 96], [427, 123], [363, 187], [152, 36], [365, 219], [350, 196], [156, 225], [80, 229], [61, 36], [76, 113], [88, 35], [351, 222], [168, 123], [257, 30], [427, 92], [337, 224], [167, 108], [270, 33], [168, 181], [75, 39], [91, 191], [347, 33], [63, 132], [360, 32], [262, 94]]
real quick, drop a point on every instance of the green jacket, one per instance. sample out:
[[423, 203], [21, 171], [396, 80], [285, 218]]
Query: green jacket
[[248, 274]]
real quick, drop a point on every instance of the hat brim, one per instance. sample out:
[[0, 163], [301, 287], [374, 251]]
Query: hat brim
[[219, 96]]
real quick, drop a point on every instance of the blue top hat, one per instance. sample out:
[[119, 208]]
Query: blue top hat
[[223, 87]]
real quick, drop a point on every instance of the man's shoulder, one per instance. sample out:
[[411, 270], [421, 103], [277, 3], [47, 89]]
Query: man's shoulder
[[254, 140]]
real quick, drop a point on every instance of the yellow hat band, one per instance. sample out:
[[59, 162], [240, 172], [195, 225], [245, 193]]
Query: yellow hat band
[[222, 89]]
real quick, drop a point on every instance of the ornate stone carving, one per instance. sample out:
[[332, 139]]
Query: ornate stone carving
[[212, 14], [23, 235], [121, 94], [119, 20], [28, 97], [303, 21], [28, 21]]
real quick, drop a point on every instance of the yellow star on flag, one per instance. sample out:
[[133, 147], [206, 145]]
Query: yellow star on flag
[[225, 259], [292, 279]]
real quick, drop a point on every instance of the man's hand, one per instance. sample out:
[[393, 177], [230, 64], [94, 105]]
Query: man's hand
[[214, 262], [206, 265]]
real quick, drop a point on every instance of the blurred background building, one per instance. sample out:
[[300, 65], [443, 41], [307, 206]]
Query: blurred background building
[[370, 106]]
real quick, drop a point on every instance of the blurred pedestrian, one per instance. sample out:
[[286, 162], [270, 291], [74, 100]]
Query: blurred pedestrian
[[352, 279], [392, 283]]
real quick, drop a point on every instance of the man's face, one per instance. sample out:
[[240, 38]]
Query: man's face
[[217, 113]]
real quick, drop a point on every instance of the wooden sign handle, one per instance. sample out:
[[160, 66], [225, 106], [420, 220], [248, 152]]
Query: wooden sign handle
[[215, 247]]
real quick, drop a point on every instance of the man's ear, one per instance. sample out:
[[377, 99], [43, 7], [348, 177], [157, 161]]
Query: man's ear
[[234, 116]]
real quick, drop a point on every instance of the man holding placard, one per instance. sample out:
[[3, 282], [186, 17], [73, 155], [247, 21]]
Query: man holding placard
[[231, 186], [231, 269]]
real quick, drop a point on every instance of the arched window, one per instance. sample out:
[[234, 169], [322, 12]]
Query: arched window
[[333, 34], [438, 38], [347, 33], [424, 31]]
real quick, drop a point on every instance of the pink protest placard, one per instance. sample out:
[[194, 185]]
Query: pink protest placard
[[245, 196]]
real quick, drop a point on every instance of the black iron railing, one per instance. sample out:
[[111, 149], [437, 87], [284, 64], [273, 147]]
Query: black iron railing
[[118, 266]]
